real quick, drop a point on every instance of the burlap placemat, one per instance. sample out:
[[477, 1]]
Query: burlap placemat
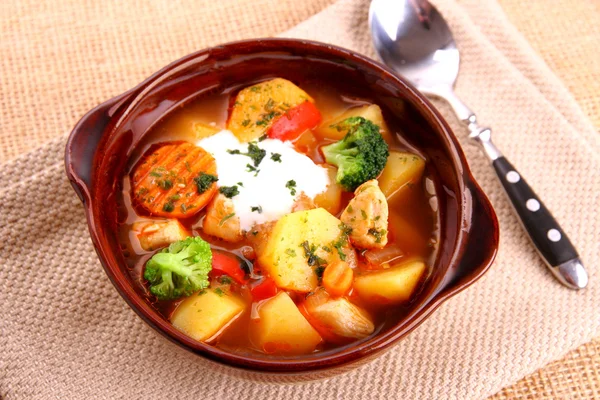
[[66, 333]]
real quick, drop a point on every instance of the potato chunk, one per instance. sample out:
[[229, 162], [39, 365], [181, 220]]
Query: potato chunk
[[328, 129], [281, 328], [221, 221], [203, 315], [401, 170], [367, 215], [155, 235], [331, 198], [285, 258], [390, 286], [257, 106]]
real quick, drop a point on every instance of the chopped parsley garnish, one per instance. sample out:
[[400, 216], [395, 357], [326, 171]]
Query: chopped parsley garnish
[[377, 234], [319, 272], [224, 279], [240, 184], [169, 206], [255, 153], [257, 209], [245, 123], [187, 166], [225, 218], [364, 214], [263, 137], [276, 157], [255, 89], [269, 105], [250, 168], [204, 182], [290, 252], [175, 197], [229, 191], [219, 292], [311, 258], [349, 208], [346, 230], [342, 241], [266, 118], [164, 184], [291, 184], [155, 174]]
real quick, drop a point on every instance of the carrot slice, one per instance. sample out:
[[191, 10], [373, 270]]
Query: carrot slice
[[174, 179], [337, 278]]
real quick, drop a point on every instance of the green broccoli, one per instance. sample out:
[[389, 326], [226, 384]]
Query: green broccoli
[[360, 155], [180, 269]]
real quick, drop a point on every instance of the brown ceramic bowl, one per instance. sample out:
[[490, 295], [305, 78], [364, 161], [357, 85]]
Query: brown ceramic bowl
[[99, 147]]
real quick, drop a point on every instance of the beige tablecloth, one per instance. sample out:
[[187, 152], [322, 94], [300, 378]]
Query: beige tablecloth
[[67, 334]]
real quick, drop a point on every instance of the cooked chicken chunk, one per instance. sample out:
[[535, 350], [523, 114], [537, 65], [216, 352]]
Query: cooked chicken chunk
[[154, 235], [367, 215], [221, 221]]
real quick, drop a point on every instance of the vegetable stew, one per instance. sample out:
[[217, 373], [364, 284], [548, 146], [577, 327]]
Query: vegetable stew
[[281, 218]]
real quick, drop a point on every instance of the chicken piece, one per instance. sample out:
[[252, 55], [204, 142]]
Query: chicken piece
[[155, 235], [367, 215], [221, 221]]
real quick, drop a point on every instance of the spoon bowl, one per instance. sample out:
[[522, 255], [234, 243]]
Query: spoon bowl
[[416, 42]]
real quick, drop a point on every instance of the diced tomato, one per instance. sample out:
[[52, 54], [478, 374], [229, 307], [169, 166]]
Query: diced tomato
[[295, 121], [223, 264], [265, 289]]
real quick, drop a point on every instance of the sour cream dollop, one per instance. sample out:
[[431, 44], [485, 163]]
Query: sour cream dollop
[[265, 194]]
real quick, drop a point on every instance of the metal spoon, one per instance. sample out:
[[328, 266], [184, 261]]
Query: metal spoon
[[412, 38]]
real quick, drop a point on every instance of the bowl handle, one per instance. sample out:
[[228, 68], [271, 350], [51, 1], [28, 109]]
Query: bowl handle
[[82, 143], [482, 241]]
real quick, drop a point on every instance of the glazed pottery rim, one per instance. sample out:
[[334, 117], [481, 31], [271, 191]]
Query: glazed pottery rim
[[322, 360]]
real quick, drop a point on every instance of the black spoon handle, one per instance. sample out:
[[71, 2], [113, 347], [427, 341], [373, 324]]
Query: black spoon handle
[[547, 236]]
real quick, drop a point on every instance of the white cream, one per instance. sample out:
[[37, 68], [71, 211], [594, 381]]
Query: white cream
[[268, 188]]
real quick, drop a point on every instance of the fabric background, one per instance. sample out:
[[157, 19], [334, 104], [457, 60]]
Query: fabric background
[[66, 333]]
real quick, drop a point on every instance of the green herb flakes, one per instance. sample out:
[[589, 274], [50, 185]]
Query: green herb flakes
[[291, 184]]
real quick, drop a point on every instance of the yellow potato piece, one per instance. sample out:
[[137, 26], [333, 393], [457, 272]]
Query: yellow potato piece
[[284, 258], [401, 170], [281, 328], [331, 198], [203, 316], [155, 235], [371, 112], [390, 286], [257, 106]]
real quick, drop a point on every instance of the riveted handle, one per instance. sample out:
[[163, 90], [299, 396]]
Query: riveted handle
[[546, 234]]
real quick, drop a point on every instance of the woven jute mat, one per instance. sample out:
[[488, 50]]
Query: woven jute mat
[[65, 333]]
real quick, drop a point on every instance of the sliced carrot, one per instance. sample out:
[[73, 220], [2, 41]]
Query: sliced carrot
[[337, 278], [174, 179]]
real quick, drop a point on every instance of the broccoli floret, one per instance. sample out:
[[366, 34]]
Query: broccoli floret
[[180, 269], [360, 155]]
